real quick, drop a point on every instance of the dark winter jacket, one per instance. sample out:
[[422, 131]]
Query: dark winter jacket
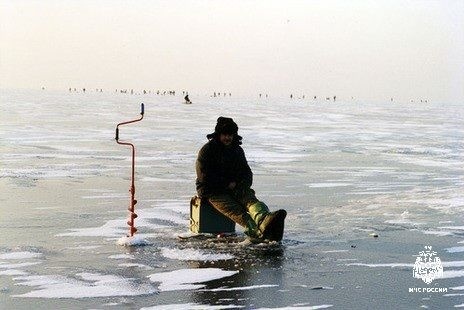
[[218, 165]]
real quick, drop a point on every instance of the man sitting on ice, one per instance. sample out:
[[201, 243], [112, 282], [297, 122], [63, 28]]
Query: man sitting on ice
[[224, 179]]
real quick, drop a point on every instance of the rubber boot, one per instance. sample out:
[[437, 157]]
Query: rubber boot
[[237, 213], [270, 224], [251, 230]]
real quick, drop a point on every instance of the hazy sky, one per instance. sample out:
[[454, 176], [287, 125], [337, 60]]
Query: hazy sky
[[366, 49]]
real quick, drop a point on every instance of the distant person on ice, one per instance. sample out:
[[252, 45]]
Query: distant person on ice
[[224, 179], [187, 99]]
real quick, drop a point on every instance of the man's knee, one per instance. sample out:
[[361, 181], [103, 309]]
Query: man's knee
[[225, 204], [245, 196]]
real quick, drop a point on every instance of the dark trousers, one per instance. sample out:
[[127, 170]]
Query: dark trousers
[[234, 204]]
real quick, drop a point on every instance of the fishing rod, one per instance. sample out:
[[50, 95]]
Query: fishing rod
[[132, 214]]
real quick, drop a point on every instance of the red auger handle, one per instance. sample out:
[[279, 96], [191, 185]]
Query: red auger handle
[[142, 111]]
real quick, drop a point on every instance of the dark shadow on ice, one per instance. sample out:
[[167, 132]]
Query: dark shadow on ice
[[260, 273]]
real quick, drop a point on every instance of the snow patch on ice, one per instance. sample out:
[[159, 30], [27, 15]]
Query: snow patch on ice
[[165, 214], [188, 279], [118, 227], [121, 256], [456, 249], [132, 241], [402, 219], [112, 228], [453, 263], [12, 272], [20, 255], [437, 232], [449, 274], [394, 265], [18, 265], [452, 227], [193, 254], [92, 285]]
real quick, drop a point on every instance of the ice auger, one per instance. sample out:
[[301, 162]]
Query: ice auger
[[131, 208]]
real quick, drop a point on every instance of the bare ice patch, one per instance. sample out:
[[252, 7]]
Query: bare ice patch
[[299, 307], [193, 254], [188, 279], [168, 180], [192, 306], [91, 285], [141, 266], [335, 251], [85, 247], [265, 156], [327, 185]]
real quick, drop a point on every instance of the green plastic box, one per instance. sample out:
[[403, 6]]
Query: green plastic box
[[204, 218]]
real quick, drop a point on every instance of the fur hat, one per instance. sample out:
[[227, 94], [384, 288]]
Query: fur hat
[[225, 125]]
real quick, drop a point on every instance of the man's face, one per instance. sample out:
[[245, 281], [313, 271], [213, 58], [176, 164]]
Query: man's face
[[226, 138]]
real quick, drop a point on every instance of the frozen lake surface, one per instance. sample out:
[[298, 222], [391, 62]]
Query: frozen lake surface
[[344, 171]]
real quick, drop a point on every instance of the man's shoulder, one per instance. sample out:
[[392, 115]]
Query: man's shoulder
[[239, 149], [207, 147]]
